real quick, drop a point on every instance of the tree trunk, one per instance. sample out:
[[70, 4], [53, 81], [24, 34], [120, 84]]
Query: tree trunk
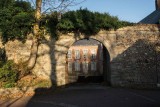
[[33, 54], [36, 31]]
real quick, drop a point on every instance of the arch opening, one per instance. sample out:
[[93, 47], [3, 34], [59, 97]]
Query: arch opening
[[88, 61]]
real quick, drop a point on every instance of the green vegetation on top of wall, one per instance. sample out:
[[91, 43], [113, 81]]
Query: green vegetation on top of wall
[[89, 22], [16, 19]]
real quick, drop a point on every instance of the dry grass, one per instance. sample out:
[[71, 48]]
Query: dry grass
[[33, 81], [24, 87]]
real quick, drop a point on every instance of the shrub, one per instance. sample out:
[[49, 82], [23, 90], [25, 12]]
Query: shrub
[[8, 75], [83, 21], [8, 85]]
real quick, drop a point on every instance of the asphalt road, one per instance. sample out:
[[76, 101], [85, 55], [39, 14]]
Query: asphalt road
[[91, 96]]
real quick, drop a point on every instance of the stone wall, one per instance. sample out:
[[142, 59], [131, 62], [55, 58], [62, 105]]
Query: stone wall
[[134, 55], [136, 61]]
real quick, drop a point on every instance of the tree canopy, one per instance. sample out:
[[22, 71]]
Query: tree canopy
[[16, 19], [85, 21]]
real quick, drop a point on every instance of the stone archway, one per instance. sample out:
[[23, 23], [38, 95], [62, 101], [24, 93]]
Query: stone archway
[[125, 46], [66, 41], [87, 60], [120, 45]]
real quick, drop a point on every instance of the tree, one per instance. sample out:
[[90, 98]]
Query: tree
[[40, 8], [16, 19], [88, 22], [5, 3]]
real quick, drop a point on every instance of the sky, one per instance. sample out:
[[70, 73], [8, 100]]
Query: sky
[[127, 10]]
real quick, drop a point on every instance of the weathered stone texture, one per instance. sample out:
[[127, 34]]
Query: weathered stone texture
[[135, 63], [133, 56], [17, 50]]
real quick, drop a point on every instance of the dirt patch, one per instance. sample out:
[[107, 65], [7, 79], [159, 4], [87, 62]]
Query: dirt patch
[[33, 81], [24, 87]]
